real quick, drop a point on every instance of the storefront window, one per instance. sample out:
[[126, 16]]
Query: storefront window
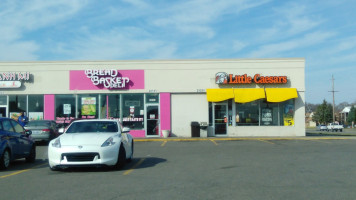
[[35, 107], [247, 114], [287, 113], [133, 111], [3, 100], [17, 104], [103, 106], [3, 105], [262, 113], [88, 106], [114, 106], [65, 108], [269, 114]]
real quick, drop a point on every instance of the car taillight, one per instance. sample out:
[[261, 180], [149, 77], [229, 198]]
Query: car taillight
[[46, 130]]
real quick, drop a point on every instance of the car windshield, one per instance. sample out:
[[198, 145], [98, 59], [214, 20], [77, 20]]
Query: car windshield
[[38, 123], [92, 127]]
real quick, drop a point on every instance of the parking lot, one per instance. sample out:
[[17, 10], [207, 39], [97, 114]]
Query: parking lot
[[214, 168]]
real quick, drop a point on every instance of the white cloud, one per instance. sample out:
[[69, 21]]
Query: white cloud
[[197, 16], [238, 45], [18, 51], [288, 21], [137, 3], [116, 44], [19, 18], [277, 49]]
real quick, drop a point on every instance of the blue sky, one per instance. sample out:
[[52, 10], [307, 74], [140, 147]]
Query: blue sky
[[322, 31]]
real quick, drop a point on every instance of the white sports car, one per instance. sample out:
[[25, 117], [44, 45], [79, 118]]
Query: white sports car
[[94, 142]]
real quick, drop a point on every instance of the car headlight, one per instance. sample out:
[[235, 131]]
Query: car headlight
[[108, 142], [57, 143]]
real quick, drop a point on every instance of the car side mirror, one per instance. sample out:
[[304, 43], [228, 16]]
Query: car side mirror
[[125, 130]]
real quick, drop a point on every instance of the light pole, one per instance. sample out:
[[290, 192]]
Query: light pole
[[333, 91]]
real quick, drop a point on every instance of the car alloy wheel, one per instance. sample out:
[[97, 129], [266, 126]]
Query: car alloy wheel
[[5, 160]]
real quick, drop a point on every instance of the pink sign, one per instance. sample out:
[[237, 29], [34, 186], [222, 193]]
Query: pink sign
[[110, 79]]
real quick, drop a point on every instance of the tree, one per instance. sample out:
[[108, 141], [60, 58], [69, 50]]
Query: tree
[[352, 115], [324, 113], [341, 106], [309, 107]]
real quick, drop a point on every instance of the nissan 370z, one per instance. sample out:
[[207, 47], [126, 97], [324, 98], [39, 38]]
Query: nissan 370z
[[94, 142]]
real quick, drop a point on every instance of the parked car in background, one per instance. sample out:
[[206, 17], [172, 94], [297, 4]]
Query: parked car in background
[[92, 142], [335, 127], [42, 130], [15, 143], [322, 127]]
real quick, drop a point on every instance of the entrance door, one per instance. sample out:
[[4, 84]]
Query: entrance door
[[220, 119], [152, 120], [3, 111]]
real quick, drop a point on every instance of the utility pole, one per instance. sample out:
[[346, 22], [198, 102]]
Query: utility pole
[[333, 91]]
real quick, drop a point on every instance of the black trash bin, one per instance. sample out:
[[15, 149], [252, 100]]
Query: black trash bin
[[195, 129]]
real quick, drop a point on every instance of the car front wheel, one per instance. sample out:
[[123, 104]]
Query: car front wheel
[[121, 160], [132, 152], [32, 156], [5, 160]]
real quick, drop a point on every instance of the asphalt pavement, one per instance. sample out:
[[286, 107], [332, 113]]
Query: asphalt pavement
[[210, 168]]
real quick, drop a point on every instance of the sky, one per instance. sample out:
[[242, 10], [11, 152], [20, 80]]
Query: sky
[[321, 31]]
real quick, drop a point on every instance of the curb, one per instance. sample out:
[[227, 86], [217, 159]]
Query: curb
[[238, 139]]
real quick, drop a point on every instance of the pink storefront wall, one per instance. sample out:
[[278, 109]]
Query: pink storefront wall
[[49, 106], [79, 81], [165, 109]]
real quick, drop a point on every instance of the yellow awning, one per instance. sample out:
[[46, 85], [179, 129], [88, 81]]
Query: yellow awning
[[248, 94], [280, 94], [217, 95]]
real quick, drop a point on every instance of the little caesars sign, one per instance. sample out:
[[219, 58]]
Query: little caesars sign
[[107, 78]]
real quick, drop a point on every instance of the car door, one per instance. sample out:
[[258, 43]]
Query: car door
[[11, 137], [24, 142], [125, 141]]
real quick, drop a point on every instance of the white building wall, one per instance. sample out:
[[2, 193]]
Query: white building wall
[[185, 109], [186, 80]]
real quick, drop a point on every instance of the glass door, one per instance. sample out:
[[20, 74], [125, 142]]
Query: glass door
[[152, 120], [3, 111], [220, 118]]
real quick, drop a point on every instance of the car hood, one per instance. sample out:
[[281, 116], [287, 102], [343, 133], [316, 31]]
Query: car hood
[[70, 139]]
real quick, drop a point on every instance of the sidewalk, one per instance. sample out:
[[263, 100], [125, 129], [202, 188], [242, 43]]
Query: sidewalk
[[308, 137]]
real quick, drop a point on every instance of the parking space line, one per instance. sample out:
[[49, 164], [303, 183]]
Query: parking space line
[[127, 172], [22, 171], [213, 141], [164, 143], [266, 141]]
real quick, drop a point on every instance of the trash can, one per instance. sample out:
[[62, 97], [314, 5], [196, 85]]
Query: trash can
[[195, 129]]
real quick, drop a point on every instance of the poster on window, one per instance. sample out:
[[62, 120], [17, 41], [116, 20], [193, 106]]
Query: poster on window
[[14, 115], [35, 116], [266, 116], [67, 109], [132, 111], [288, 115], [88, 106]]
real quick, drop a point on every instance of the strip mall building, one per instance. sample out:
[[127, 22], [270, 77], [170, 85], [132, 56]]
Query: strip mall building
[[234, 97]]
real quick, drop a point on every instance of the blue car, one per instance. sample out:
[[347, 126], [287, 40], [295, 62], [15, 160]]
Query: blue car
[[15, 143]]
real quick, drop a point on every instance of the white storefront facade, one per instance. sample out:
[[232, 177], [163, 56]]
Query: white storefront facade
[[227, 97]]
